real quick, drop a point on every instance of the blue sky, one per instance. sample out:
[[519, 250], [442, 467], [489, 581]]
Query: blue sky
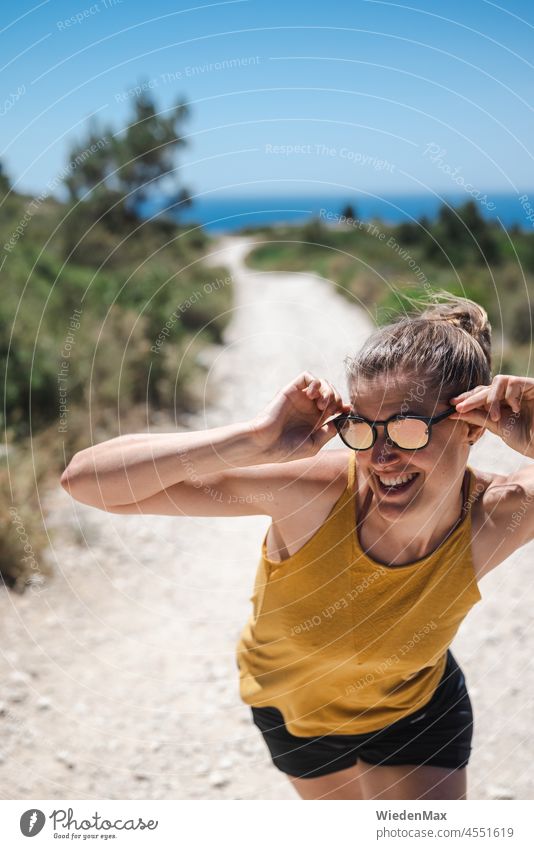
[[286, 98]]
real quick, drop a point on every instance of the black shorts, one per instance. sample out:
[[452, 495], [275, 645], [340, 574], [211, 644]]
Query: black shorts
[[438, 734]]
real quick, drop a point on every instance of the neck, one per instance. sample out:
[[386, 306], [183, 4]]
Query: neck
[[395, 542]]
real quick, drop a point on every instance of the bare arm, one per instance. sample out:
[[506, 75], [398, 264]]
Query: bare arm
[[205, 472], [134, 467]]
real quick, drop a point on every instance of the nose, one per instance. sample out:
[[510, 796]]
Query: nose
[[383, 451]]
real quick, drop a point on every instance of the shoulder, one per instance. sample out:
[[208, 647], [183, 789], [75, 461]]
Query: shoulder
[[315, 481], [499, 504], [304, 493]]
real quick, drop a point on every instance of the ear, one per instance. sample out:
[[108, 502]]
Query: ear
[[474, 432]]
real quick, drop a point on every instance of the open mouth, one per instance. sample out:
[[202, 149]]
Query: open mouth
[[392, 488]]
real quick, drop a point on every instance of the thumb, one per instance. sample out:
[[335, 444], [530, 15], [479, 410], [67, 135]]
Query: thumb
[[478, 417], [323, 434]]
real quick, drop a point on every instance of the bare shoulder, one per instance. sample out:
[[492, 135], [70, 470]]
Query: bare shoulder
[[316, 481], [304, 495], [500, 524]]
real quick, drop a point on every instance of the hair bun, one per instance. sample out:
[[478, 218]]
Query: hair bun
[[462, 313]]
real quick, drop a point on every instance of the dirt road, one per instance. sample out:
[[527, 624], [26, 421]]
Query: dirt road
[[119, 677]]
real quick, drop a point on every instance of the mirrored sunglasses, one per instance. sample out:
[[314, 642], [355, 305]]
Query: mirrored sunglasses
[[409, 432]]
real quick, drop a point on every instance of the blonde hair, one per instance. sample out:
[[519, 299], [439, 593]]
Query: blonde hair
[[447, 344]]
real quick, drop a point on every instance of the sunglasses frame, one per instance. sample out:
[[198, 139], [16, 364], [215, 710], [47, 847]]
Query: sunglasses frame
[[429, 421]]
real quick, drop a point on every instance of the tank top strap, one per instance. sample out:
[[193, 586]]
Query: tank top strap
[[469, 485], [352, 473], [357, 515], [343, 509]]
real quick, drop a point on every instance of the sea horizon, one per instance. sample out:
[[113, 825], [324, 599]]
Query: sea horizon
[[219, 215]]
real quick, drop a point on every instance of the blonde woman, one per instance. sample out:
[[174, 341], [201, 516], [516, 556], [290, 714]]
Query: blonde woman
[[374, 553]]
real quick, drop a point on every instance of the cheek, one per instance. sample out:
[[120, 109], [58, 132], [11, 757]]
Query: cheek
[[454, 442], [362, 463], [444, 457], [432, 457]]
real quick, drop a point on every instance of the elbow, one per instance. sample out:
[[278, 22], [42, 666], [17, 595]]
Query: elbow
[[82, 485], [70, 477], [66, 476]]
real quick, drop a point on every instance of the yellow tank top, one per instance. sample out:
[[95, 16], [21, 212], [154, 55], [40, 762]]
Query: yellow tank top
[[342, 644]]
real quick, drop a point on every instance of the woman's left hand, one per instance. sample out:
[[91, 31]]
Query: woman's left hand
[[505, 407]]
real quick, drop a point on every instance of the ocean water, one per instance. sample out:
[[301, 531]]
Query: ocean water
[[231, 214]]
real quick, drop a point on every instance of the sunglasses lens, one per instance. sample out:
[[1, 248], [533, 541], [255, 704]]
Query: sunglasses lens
[[408, 433], [357, 434]]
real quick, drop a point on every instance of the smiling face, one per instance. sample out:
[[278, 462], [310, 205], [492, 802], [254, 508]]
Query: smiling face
[[437, 468]]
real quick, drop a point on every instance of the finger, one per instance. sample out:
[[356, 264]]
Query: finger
[[323, 434], [334, 401], [495, 411], [312, 386], [476, 417], [327, 396], [489, 395], [331, 408], [303, 380], [477, 391], [475, 400], [335, 395], [496, 394], [468, 392], [468, 416], [513, 395], [516, 390], [313, 390], [505, 393], [322, 394]]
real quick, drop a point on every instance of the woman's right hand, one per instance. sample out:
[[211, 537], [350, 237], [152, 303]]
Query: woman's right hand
[[292, 425]]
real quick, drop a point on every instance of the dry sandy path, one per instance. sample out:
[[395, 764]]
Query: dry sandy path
[[119, 679]]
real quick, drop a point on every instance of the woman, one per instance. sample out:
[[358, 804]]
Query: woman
[[374, 553]]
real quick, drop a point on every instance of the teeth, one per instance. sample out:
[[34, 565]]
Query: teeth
[[396, 481]]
